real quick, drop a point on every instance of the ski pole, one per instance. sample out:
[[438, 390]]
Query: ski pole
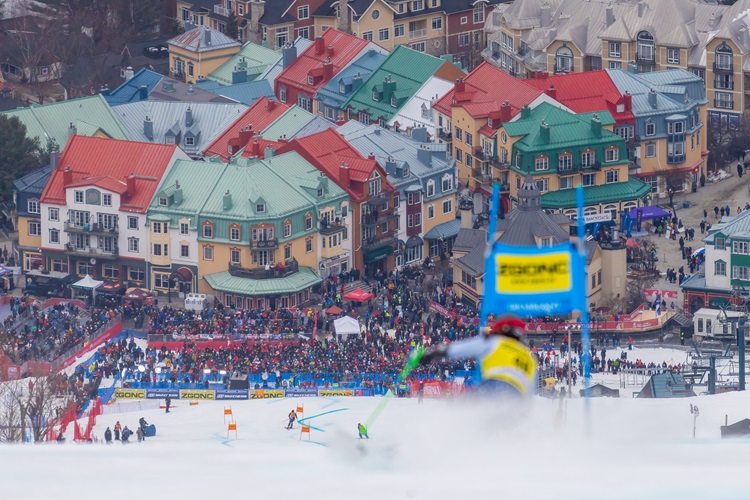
[[410, 365]]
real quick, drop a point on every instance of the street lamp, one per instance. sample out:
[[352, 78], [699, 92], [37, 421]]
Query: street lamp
[[695, 413]]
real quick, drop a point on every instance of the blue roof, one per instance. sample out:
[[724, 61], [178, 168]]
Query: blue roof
[[209, 85], [670, 87], [330, 94], [445, 230], [34, 182], [129, 90], [246, 93]]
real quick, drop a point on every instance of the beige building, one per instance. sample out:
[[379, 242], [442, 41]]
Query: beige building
[[196, 53], [561, 36]]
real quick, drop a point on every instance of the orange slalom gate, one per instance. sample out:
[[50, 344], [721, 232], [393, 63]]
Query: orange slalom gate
[[232, 427], [304, 429]]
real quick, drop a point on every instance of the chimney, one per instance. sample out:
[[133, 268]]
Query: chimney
[[239, 75], [246, 133], [257, 10], [67, 176], [128, 73], [419, 134], [148, 128], [505, 111], [544, 15], [327, 70], [207, 36], [167, 87], [269, 152], [390, 166], [466, 210], [652, 98], [628, 101], [255, 148], [642, 8], [544, 131], [330, 51], [596, 125], [356, 81], [54, 157], [632, 68], [288, 55], [525, 111], [424, 154], [177, 195], [271, 105], [371, 157], [609, 16], [552, 91], [227, 200], [189, 117], [130, 181], [345, 175], [143, 93], [105, 90], [460, 86], [72, 130], [319, 45], [190, 89]]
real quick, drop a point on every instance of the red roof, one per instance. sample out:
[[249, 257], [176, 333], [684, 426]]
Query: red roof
[[260, 115], [5, 86], [484, 91], [585, 93], [257, 147], [107, 163], [328, 150], [344, 48]]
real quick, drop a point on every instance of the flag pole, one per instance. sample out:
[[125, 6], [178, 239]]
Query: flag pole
[[585, 357], [491, 229]]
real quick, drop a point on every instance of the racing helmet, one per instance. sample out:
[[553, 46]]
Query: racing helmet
[[508, 325]]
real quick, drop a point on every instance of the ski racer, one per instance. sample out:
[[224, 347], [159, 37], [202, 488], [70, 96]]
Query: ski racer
[[506, 365]]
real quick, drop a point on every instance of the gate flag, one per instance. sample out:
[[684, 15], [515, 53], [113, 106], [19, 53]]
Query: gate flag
[[530, 281]]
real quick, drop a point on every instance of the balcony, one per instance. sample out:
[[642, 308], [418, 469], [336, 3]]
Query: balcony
[[92, 252], [374, 242], [94, 228], [596, 166], [724, 68], [265, 244], [481, 177], [505, 188], [563, 69], [378, 217], [443, 135], [497, 163], [384, 195], [480, 154], [417, 34], [327, 228], [279, 270], [221, 10]]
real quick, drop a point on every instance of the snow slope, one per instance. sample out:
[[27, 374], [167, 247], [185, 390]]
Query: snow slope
[[438, 450]]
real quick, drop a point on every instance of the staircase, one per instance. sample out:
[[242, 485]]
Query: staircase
[[681, 319], [348, 287]]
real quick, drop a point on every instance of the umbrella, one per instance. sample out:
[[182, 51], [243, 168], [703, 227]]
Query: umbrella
[[698, 252], [358, 295], [631, 243], [334, 310]]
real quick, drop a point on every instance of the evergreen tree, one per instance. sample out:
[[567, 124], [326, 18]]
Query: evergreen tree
[[231, 30], [19, 154]]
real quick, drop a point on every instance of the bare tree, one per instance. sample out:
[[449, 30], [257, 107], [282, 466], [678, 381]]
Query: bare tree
[[36, 407], [674, 182], [637, 283], [11, 430]]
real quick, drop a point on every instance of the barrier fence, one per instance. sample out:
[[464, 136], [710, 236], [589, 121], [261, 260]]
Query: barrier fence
[[233, 394], [88, 343]]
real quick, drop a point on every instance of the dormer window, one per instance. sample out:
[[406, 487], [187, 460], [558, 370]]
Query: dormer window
[[169, 139], [321, 192], [394, 101], [163, 202], [310, 80], [406, 171], [260, 208], [375, 95], [189, 141], [489, 122], [342, 88], [425, 111]]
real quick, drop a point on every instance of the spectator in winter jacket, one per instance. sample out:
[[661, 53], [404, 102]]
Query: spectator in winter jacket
[[108, 436], [126, 433], [118, 428]]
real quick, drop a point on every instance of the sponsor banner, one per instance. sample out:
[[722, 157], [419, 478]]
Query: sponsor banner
[[162, 393], [669, 294], [266, 394], [301, 393], [196, 394], [122, 393], [650, 293], [588, 219], [232, 394], [452, 315], [336, 392]]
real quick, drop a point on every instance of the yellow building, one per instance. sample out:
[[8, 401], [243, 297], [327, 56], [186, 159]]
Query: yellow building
[[253, 233], [196, 53]]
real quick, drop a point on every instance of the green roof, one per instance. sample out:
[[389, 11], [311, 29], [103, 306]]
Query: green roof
[[53, 120], [594, 195], [224, 282], [566, 130], [288, 124], [255, 59], [407, 69]]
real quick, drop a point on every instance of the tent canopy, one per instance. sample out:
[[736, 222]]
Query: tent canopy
[[88, 282], [648, 213], [346, 326], [334, 310], [358, 295]]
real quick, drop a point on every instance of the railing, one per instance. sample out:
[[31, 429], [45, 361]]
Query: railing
[[385, 194], [563, 69], [417, 33], [641, 57], [62, 358], [266, 244], [720, 103], [723, 68], [330, 227], [378, 217], [596, 165], [446, 136], [480, 176], [375, 242], [96, 227], [481, 154], [221, 10], [281, 270], [93, 252], [498, 163]]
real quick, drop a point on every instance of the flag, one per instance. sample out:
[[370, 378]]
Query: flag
[[658, 305]]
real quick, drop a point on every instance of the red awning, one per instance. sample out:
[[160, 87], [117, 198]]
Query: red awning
[[358, 295], [334, 310]]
